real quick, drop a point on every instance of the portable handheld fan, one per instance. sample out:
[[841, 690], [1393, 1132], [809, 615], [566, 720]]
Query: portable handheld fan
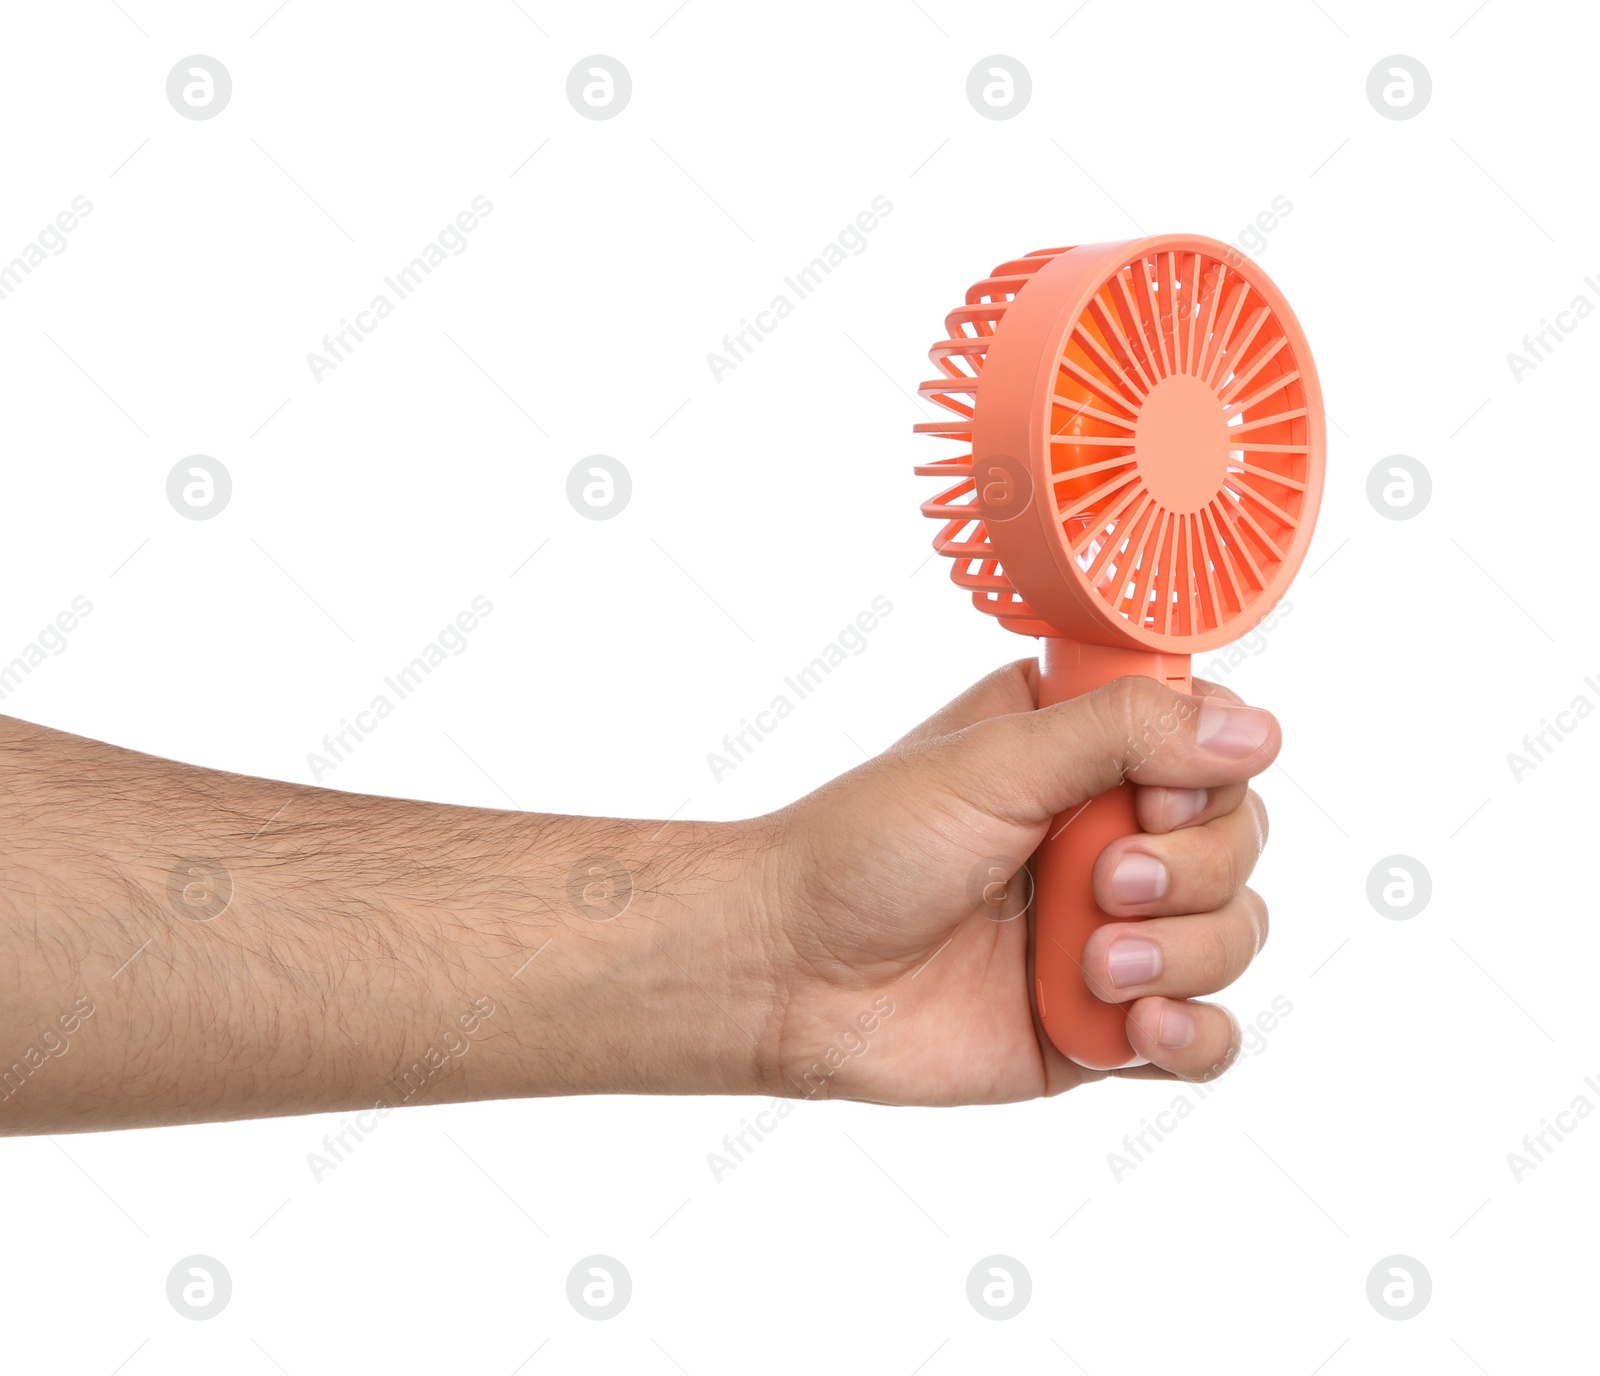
[[1145, 455]]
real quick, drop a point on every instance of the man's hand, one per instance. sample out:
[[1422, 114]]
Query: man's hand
[[179, 944], [895, 986]]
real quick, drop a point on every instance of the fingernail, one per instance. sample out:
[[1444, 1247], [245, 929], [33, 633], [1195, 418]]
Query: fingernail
[[1183, 805], [1226, 729], [1133, 961], [1177, 1027], [1138, 878]]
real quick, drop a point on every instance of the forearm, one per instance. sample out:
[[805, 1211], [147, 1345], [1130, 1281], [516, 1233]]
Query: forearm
[[179, 944]]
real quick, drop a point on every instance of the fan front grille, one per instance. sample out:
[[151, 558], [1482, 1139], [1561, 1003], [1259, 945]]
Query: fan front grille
[[1179, 443]]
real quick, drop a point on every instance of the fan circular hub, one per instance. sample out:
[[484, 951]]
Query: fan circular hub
[[1180, 444]]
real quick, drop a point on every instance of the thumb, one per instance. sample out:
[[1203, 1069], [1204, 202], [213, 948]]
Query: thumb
[[1029, 766]]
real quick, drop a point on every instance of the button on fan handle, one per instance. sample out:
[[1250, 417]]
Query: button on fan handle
[[1084, 1028]]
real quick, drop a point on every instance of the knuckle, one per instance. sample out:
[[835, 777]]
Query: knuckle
[[1218, 952], [1229, 855], [1112, 712], [1138, 714], [1023, 669], [1231, 869], [1123, 701], [1214, 866]]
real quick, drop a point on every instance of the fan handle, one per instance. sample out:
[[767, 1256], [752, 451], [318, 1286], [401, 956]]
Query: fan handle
[[1083, 1028]]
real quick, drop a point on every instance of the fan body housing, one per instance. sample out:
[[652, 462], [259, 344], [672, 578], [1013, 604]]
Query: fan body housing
[[1146, 443], [1145, 452]]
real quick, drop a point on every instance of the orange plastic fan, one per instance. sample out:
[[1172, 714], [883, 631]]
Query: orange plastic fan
[[1144, 436]]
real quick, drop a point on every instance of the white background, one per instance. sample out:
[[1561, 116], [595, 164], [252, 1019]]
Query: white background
[[768, 509]]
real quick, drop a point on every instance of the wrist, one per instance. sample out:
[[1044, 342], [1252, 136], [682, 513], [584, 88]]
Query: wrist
[[646, 965]]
